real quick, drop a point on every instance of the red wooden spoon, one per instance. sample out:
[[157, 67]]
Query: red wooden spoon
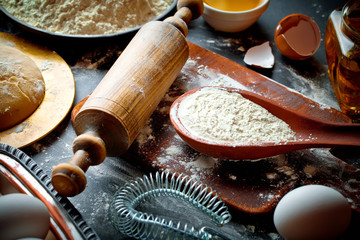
[[311, 132]]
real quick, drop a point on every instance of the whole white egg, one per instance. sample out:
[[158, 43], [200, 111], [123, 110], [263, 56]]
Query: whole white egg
[[312, 212], [23, 216]]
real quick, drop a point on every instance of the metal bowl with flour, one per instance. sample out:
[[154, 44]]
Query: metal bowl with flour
[[60, 35]]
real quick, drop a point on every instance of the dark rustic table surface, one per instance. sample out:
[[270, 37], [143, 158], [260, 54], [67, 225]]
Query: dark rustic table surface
[[90, 60]]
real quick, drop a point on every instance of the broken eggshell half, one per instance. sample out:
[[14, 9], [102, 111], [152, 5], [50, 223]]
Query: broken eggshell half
[[260, 56], [297, 36]]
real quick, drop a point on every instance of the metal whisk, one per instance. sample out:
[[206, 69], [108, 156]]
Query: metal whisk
[[127, 220]]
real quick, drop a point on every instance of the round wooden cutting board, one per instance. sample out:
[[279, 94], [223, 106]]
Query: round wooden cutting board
[[59, 94]]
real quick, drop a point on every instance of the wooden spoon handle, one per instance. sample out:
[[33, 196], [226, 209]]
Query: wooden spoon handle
[[338, 134]]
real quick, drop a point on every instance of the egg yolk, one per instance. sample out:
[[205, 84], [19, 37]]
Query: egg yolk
[[233, 5]]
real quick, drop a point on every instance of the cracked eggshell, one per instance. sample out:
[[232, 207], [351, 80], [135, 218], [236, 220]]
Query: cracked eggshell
[[260, 56], [297, 36]]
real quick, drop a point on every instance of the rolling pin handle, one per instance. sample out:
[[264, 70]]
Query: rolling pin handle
[[178, 23], [185, 14], [93, 145], [196, 8], [187, 10], [69, 178]]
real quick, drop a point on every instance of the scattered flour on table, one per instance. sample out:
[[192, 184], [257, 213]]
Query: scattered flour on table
[[146, 134], [268, 197], [196, 164], [203, 76], [84, 17], [311, 88], [217, 115], [201, 165]]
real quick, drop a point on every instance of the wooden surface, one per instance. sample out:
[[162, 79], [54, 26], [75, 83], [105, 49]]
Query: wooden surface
[[250, 186]]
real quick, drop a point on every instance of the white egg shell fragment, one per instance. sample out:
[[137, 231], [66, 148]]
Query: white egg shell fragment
[[260, 56], [23, 216], [312, 212]]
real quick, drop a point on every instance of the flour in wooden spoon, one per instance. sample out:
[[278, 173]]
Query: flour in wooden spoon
[[217, 115]]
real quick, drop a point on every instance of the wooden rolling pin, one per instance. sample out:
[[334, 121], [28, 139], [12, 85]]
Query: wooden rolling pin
[[119, 107]]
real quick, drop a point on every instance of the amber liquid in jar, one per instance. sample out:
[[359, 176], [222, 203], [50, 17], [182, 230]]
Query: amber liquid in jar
[[342, 44], [233, 5]]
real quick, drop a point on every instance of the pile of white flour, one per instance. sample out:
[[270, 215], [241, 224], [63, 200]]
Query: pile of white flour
[[85, 17], [217, 115]]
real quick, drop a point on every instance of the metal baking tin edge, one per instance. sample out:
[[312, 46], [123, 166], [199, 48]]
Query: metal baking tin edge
[[64, 215]]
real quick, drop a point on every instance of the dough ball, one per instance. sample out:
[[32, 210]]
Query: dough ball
[[22, 87]]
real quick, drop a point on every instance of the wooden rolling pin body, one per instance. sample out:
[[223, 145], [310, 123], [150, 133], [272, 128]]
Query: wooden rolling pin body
[[119, 107], [129, 93]]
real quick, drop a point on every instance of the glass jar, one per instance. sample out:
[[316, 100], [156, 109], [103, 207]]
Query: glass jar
[[342, 46]]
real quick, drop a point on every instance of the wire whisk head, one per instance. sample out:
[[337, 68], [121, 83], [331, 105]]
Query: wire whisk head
[[141, 225]]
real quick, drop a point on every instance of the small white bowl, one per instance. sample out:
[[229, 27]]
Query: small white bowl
[[228, 21]]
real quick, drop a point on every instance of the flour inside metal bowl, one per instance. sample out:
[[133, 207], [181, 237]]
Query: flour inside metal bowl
[[84, 17]]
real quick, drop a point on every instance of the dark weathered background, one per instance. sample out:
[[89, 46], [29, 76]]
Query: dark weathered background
[[90, 60]]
